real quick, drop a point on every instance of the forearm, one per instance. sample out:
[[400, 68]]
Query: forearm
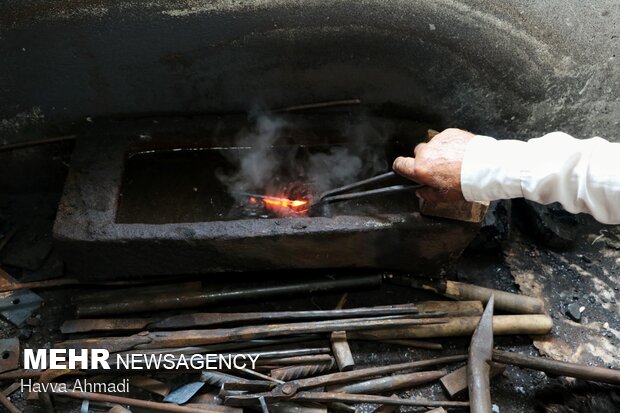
[[583, 175]]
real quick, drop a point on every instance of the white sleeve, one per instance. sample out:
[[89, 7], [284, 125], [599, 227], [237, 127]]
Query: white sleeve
[[581, 174]]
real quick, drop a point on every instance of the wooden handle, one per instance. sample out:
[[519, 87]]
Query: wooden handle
[[513, 303], [463, 326]]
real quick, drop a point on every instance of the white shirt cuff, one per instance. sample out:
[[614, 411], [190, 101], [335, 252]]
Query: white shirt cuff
[[492, 169]]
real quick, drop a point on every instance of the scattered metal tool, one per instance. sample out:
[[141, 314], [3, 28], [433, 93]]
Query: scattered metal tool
[[294, 390], [478, 369], [170, 339], [211, 319]]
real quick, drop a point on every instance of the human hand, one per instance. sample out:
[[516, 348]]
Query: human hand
[[437, 164]]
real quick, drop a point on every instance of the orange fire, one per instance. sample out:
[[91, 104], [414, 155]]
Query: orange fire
[[282, 206]]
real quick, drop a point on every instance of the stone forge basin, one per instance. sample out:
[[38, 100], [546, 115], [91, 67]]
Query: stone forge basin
[[139, 200]]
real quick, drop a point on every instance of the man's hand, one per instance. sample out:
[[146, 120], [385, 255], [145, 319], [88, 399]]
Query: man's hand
[[438, 165]]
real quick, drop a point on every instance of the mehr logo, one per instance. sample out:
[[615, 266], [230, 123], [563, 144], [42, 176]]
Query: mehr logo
[[63, 359]]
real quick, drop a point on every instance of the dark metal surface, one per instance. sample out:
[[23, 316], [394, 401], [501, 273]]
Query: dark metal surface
[[478, 368]]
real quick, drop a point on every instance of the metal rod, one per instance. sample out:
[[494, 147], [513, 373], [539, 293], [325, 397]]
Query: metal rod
[[354, 375], [210, 319], [20, 145], [319, 105], [415, 343], [369, 193], [164, 339], [558, 368], [389, 383], [99, 397], [326, 397], [359, 184], [130, 302]]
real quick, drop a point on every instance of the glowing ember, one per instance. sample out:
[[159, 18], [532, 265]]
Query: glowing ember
[[285, 203], [280, 205]]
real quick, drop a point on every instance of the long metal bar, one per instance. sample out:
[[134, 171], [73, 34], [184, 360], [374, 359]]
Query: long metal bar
[[210, 319], [360, 374], [132, 301], [319, 105], [166, 339], [478, 368], [326, 397], [162, 407], [389, 383], [558, 368]]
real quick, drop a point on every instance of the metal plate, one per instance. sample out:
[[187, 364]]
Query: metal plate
[[9, 354]]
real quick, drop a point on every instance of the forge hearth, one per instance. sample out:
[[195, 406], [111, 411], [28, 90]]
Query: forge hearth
[[160, 197]]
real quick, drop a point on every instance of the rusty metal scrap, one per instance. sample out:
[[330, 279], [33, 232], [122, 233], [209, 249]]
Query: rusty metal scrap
[[326, 397], [211, 319], [360, 374], [287, 361], [456, 381], [169, 339], [297, 372], [478, 369], [389, 383], [162, 407]]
